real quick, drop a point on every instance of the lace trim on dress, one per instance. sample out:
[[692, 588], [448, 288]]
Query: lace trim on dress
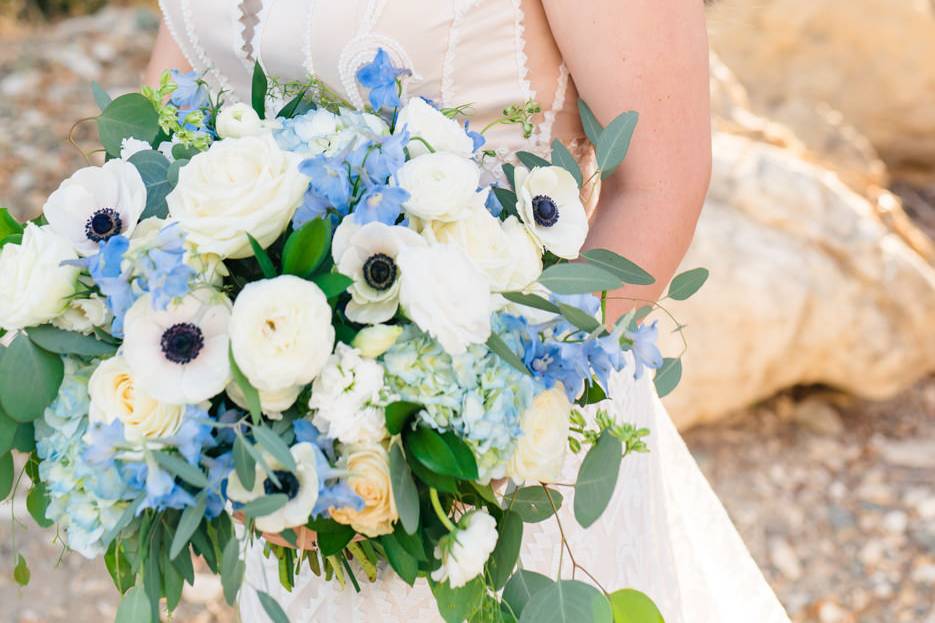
[[544, 137], [200, 53], [454, 37], [522, 61], [247, 17], [176, 36], [309, 62]]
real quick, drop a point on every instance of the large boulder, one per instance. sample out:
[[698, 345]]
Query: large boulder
[[869, 59], [808, 285]]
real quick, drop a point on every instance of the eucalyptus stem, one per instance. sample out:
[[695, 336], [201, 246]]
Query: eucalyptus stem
[[442, 516]]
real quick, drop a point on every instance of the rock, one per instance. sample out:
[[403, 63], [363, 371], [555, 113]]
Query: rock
[[807, 287], [871, 60], [912, 453], [785, 559], [818, 416]]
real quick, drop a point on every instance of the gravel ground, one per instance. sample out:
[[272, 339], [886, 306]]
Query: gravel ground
[[835, 497]]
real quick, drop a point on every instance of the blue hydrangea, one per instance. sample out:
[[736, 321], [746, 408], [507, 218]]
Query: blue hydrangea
[[161, 270], [475, 394], [380, 77]]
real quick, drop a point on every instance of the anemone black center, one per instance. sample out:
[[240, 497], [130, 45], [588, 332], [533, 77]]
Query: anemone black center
[[544, 211], [380, 271], [288, 484], [181, 343], [103, 225]]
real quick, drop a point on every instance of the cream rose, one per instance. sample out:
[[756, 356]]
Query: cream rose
[[34, 285], [376, 340], [441, 187], [445, 295], [504, 252], [369, 468], [116, 396], [422, 120], [237, 187], [240, 120], [550, 206], [281, 333], [540, 452]]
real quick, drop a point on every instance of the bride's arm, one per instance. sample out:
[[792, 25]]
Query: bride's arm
[[166, 55], [650, 56]]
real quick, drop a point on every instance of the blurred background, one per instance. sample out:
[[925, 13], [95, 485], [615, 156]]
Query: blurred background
[[809, 395]]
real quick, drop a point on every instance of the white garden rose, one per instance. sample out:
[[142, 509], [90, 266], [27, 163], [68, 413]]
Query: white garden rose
[[83, 315], [179, 355], [464, 555], [367, 254], [301, 487], [96, 204], [374, 341], [115, 396], [131, 146], [424, 121], [441, 187], [237, 187], [445, 295], [281, 333], [550, 206], [240, 120], [504, 252], [369, 477], [344, 398], [272, 404], [540, 452], [34, 285]]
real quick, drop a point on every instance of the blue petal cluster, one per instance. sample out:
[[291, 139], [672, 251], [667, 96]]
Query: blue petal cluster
[[162, 270], [380, 75], [333, 491], [112, 278]]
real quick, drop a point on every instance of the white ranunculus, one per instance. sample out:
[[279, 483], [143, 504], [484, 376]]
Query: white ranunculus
[[464, 555], [446, 296], [423, 120], [116, 396], [550, 206], [237, 187], [281, 333], [34, 285], [96, 204], [369, 477], [441, 187], [540, 452], [367, 254], [130, 146], [344, 397], [83, 315], [376, 340], [240, 120], [504, 252], [301, 487], [179, 355], [271, 403]]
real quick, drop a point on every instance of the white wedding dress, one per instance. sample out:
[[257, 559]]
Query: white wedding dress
[[665, 532]]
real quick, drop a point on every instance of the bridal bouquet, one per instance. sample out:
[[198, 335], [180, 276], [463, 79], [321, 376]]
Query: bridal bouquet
[[332, 326]]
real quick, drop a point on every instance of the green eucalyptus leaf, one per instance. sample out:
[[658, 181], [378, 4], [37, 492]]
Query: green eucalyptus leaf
[[578, 278], [614, 142], [592, 127], [277, 448], [686, 284], [29, 379], [306, 248], [632, 606], [443, 483], [532, 161], [191, 519], [153, 168], [289, 110], [244, 463], [178, 466], [509, 172], [533, 503], [505, 555], [259, 89], [668, 376], [507, 199], [172, 174], [134, 607], [63, 342], [456, 605], [597, 479], [6, 475], [578, 318], [25, 438], [621, 267], [251, 395], [184, 152], [332, 284], [522, 587], [265, 505], [37, 501], [404, 490], [7, 433], [130, 115], [532, 300], [232, 571], [173, 585], [101, 98], [21, 574], [567, 601], [561, 157], [496, 344], [272, 608]]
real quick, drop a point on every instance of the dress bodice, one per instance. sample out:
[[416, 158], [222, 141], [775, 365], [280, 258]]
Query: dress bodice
[[487, 53]]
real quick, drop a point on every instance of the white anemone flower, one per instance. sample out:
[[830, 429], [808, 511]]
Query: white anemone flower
[[301, 487], [367, 254], [96, 204], [550, 207], [180, 355]]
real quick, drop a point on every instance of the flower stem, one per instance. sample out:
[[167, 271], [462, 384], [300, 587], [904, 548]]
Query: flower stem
[[442, 516]]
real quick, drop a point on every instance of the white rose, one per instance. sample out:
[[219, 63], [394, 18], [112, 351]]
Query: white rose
[[445, 295], [237, 187], [34, 286], [540, 452], [424, 121], [83, 315], [271, 403], [441, 187], [504, 252], [376, 340], [281, 333], [115, 396], [344, 396], [550, 206], [239, 120], [369, 468], [96, 204], [367, 254], [301, 487], [464, 556]]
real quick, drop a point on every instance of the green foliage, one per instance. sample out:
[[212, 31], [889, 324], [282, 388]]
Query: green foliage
[[191, 519], [597, 479], [291, 108], [534, 504], [251, 395], [507, 199], [578, 318], [63, 342], [29, 379], [265, 505], [578, 278], [9, 226], [621, 267], [6, 475], [496, 344], [134, 607], [592, 127], [614, 142], [398, 413], [458, 604], [244, 463], [277, 448], [232, 571], [523, 586], [130, 115], [444, 454], [332, 284], [178, 466], [21, 574], [567, 601], [632, 606], [258, 91], [404, 490], [506, 554], [7, 433], [686, 284], [333, 537], [532, 300], [531, 161], [668, 376], [262, 258], [154, 169], [404, 564], [306, 248], [37, 501], [561, 157], [119, 567]]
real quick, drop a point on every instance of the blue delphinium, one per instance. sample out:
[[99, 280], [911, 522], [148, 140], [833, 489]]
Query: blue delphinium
[[380, 77], [162, 270], [113, 280], [190, 95], [381, 203], [330, 181], [645, 351], [476, 137], [386, 156]]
